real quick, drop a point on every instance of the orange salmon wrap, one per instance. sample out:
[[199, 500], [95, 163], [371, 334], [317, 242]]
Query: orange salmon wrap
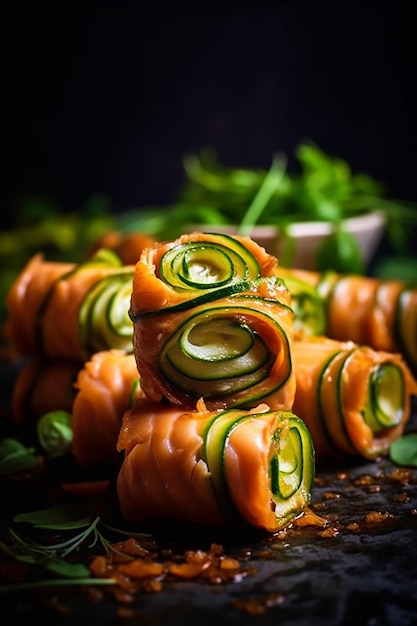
[[96, 394], [127, 245], [355, 401], [41, 386], [222, 468], [378, 313], [70, 311], [209, 321], [107, 386]]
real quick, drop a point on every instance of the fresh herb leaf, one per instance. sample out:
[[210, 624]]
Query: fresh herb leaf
[[15, 457], [61, 516], [269, 186], [340, 251], [67, 569], [404, 451]]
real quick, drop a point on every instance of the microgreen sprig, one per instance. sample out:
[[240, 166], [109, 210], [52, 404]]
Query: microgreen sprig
[[53, 557]]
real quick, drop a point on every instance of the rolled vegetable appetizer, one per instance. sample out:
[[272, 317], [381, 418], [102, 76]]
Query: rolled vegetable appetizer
[[378, 313], [355, 401], [196, 267], [222, 468], [107, 385], [208, 323], [96, 394], [127, 245], [70, 311], [41, 386]]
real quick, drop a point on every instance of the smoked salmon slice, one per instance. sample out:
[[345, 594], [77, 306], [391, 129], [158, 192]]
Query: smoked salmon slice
[[194, 265], [107, 385], [214, 468], [381, 314], [209, 321], [96, 394], [70, 311], [41, 386], [354, 400], [127, 245]]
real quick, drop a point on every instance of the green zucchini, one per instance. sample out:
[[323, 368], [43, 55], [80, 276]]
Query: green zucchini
[[308, 305], [220, 351], [214, 445], [103, 316], [291, 468], [386, 397], [102, 258], [333, 420], [208, 264]]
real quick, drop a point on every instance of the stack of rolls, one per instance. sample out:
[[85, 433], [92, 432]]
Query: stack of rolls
[[207, 378], [69, 324], [214, 441]]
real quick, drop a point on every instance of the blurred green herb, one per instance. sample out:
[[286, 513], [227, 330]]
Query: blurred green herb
[[83, 527], [403, 452], [41, 226], [323, 188], [16, 457]]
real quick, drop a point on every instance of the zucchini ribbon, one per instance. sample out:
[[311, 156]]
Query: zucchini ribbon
[[223, 468], [382, 314], [355, 401], [220, 327], [70, 311]]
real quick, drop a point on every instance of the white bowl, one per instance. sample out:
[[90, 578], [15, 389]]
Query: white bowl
[[368, 230]]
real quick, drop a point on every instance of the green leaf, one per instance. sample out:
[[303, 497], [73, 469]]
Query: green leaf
[[15, 457], [340, 252], [66, 569], [270, 184], [58, 517], [404, 451]]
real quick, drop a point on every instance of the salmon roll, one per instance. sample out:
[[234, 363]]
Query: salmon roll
[[210, 322], [382, 314], [41, 386], [196, 266], [107, 385], [127, 245], [224, 468], [70, 311], [95, 394], [355, 400]]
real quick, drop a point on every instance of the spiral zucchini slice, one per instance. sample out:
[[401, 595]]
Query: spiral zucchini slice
[[208, 264], [284, 471], [103, 317], [386, 400], [227, 350]]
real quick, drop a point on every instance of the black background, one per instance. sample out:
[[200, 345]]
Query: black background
[[106, 97]]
